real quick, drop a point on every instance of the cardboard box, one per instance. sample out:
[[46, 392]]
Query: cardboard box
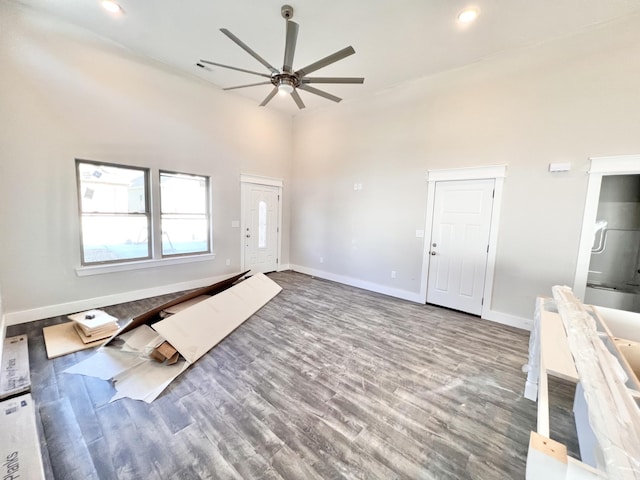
[[127, 359], [14, 377], [20, 456]]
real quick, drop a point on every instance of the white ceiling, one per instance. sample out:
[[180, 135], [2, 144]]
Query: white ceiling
[[395, 41]]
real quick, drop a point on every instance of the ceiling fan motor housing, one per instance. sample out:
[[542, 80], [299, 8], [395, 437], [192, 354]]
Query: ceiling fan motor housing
[[287, 12]]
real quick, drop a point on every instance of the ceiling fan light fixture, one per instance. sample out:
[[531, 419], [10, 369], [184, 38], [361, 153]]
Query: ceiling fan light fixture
[[111, 6], [468, 15], [285, 86]]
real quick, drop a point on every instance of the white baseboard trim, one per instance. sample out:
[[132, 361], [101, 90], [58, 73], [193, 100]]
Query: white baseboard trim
[[283, 267], [508, 319], [355, 282], [24, 316], [492, 315]]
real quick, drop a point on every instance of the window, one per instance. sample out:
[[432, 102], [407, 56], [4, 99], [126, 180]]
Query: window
[[184, 213], [262, 224], [114, 212], [119, 224]]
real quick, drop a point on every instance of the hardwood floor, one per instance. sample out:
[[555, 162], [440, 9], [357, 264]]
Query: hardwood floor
[[326, 381]]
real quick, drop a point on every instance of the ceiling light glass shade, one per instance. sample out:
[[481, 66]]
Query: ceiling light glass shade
[[468, 15], [285, 86], [111, 6]]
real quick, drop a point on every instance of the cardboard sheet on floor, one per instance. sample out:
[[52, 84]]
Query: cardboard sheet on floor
[[184, 305], [19, 444], [196, 330], [192, 331], [62, 339]]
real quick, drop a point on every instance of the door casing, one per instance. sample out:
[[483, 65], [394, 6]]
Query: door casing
[[600, 166]]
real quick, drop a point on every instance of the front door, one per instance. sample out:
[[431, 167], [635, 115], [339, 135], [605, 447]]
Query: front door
[[460, 244], [260, 227]]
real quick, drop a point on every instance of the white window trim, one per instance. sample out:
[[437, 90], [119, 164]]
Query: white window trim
[[142, 264], [496, 172], [156, 260], [600, 166]]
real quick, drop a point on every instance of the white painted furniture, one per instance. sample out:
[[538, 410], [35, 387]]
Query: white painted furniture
[[572, 341]]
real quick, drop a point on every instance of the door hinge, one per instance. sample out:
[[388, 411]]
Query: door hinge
[[487, 248], [278, 197], [482, 302], [493, 195]]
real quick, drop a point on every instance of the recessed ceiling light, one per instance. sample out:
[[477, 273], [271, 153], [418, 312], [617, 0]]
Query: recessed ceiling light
[[111, 6], [468, 15]]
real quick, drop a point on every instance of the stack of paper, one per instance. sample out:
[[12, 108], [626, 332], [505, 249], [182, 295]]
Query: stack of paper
[[94, 325]]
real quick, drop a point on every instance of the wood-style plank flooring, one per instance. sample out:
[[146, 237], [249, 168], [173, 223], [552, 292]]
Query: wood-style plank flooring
[[325, 382]]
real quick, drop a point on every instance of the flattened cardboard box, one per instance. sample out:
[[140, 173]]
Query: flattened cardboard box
[[20, 456], [192, 332], [14, 377]]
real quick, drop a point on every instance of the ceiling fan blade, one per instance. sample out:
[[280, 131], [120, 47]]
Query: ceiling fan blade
[[290, 46], [269, 97], [332, 80], [315, 91], [247, 49], [296, 98], [235, 68], [249, 85], [334, 57]]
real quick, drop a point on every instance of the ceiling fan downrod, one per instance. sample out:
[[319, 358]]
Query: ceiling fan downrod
[[287, 12]]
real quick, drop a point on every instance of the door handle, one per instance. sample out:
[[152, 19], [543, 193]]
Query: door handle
[[433, 253], [248, 236]]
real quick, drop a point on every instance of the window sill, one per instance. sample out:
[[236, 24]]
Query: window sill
[[123, 267]]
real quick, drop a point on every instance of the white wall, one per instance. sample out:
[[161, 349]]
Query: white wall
[[563, 101], [66, 93]]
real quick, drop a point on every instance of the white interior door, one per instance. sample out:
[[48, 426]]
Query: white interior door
[[260, 227], [459, 244]]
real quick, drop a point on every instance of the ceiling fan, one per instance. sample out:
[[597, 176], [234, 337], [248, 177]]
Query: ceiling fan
[[286, 80]]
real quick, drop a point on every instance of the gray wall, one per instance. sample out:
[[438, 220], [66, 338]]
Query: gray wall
[[66, 93], [562, 101]]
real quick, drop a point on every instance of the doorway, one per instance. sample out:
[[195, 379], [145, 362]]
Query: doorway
[[463, 213], [594, 282], [260, 224]]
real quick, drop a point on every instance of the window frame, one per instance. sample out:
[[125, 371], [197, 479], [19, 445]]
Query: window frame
[[207, 214], [148, 214], [153, 214]]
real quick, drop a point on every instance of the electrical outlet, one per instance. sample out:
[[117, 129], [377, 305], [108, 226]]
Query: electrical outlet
[[393, 274]]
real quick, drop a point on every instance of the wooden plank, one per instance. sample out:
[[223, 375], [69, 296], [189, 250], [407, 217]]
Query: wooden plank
[[631, 352], [555, 348], [63, 339], [634, 380], [546, 459]]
